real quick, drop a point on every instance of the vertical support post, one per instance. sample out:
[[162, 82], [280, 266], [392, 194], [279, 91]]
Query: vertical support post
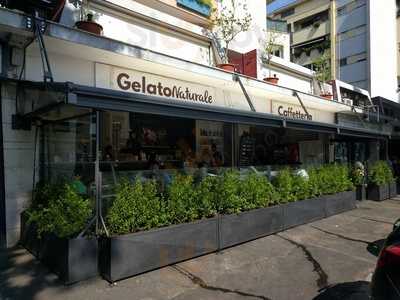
[[3, 239], [333, 39], [97, 174]]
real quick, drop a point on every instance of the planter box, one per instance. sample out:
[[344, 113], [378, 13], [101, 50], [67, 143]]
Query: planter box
[[340, 202], [131, 254], [72, 260], [246, 226], [378, 192], [28, 236], [195, 6], [304, 211], [392, 189], [361, 192]]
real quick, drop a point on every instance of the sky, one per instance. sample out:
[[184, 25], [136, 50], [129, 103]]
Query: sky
[[278, 4]]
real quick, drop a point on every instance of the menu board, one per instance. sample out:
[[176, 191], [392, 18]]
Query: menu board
[[246, 150]]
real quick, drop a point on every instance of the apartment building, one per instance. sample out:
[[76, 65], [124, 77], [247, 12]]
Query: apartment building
[[146, 86], [353, 31]]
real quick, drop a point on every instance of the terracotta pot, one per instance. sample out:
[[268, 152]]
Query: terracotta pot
[[90, 26], [327, 96], [227, 67], [273, 80]]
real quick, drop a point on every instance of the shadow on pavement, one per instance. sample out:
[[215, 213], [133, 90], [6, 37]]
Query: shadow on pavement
[[375, 247], [358, 290]]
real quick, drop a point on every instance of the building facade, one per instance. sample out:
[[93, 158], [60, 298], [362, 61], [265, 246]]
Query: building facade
[[147, 91], [351, 30]]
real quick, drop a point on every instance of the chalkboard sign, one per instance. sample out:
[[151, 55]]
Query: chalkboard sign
[[246, 150]]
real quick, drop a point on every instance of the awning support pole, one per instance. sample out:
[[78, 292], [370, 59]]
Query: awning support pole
[[236, 77], [301, 103]]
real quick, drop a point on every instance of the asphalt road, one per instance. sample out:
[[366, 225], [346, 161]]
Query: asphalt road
[[328, 259]]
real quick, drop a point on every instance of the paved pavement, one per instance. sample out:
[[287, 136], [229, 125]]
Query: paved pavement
[[327, 259]]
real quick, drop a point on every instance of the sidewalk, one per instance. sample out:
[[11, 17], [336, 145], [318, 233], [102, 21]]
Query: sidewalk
[[299, 263]]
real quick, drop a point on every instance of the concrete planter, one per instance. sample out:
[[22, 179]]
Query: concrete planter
[[340, 202], [246, 226], [302, 212], [131, 254], [392, 189], [378, 192], [72, 260], [361, 192]]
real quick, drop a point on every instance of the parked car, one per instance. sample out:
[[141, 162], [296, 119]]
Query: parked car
[[385, 283]]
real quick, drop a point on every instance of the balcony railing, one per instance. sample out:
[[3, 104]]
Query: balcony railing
[[312, 32]]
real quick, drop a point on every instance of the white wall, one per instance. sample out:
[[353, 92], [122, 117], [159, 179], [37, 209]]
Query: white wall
[[383, 50]]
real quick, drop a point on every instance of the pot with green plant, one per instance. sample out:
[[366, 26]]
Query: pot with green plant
[[269, 47], [229, 20], [151, 230], [380, 175], [87, 18], [322, 68], [358, 178], [55, 219]]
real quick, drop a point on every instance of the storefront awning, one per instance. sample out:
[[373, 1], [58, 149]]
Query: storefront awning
[[38, 99]]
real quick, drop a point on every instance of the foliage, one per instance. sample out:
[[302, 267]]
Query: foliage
[[322, 68], [284, 186], [228, 192], [230, 20], [269, 47], [181, 200], [256, 191], [358, 174], [64, 214], [380, 173], [206, 197], [209, 3], [136, 207]]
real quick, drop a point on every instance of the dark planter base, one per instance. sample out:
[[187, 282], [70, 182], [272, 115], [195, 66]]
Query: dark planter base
[[304, 211], [73, 260], [393, 189], [246, 226], [131, 254], [361, 193], [378, 192], [340, 202]]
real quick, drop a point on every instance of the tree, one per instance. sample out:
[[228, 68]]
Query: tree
[[322, 68], [228, 21], [269, 47]]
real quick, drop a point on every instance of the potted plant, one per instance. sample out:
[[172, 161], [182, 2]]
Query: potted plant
[[53, 224], [322, 69], [358, 178], [380, 176], [228, 21], [87, 18], [269, 47]]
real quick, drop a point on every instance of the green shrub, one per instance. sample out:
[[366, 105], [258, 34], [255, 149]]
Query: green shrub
[[136, 207], [206, 197], [315, 184], [301, 187], [181, 200], [380, 173], [358, 175], [227, 191], [64, 214], [284, 184], [256, 191]]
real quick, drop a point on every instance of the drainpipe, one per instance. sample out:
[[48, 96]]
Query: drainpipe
[[332, 13]]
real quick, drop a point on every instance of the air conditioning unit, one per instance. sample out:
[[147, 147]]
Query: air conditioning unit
[[347, 101]]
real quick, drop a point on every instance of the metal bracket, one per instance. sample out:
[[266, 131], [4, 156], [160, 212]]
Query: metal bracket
[[236, 78], [295, 93]]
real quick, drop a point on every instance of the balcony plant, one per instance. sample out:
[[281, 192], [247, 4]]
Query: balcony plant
[[87, 18], [269, 47], [322, 67], [230, 19]]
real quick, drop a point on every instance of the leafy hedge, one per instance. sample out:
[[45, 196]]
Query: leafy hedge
[[59, 209], [380, 173], [138, 206]]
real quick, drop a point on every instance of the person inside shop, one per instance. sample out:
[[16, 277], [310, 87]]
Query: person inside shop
[[216, 160], [77, 183], [108, 153], [132, 144]]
